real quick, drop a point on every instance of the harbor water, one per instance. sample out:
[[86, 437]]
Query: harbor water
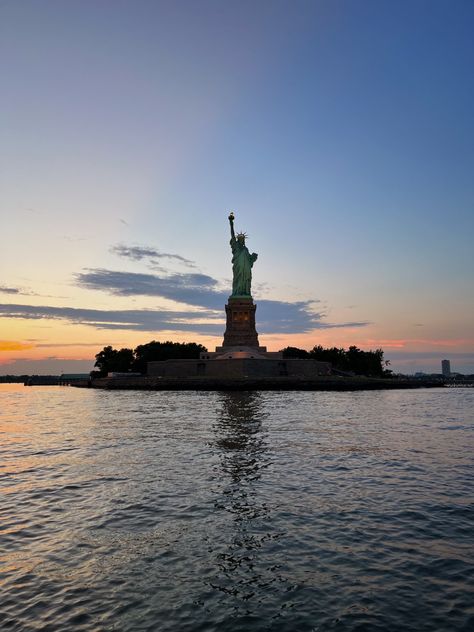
[[199, 511]]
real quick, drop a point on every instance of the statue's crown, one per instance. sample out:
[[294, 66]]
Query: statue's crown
[[244, 235]]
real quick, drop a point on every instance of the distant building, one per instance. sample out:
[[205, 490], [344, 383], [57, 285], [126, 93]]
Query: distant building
[[446, 368]]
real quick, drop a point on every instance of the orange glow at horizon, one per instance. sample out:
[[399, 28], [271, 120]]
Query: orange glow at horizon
[[348, 337], [15, 345], [50, 340]]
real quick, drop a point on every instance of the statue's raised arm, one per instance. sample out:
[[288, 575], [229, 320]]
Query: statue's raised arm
[[231, 222], [242, 262]]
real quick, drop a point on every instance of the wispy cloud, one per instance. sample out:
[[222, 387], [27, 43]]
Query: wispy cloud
[[62, 345], [203, 291], [192, 289], [139, 320], [10, 290], [202, 294], [15, 345], [298, 317], [404, 343], [139, 253], [51, 366], [74, 238], [276, 317], [17, 290]]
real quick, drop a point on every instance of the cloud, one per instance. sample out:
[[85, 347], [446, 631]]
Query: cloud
[[51, 366], [10, 290], [137, 253], [403, 343], [135, 320], [14, 345], [74, 238], [273, 317], [293, 318], [203, 291], [19, 291], [200, 292], [193, 289], [62, 345]]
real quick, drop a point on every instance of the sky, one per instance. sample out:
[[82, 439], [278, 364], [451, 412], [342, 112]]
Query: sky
[[340, 132]]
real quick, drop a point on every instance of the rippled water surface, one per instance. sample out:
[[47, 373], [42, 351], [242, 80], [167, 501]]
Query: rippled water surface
[[132, 511]]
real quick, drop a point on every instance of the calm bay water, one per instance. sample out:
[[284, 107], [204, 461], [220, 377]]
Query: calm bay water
[[132, 511]]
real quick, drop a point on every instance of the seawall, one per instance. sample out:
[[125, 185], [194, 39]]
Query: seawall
[[321, 383]]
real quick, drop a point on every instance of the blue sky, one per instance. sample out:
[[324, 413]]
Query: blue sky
[[340, 133]]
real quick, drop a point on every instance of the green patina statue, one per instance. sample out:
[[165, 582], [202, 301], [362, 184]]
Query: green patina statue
[[242, 262]]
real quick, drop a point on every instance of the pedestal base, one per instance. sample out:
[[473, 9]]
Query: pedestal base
[[240, 326], [240, 337]]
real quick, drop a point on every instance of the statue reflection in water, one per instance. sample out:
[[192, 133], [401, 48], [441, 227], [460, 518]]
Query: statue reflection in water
[[244, 539], [241, 440]]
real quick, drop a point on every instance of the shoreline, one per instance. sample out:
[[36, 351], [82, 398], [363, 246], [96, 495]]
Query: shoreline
[[321, 383]]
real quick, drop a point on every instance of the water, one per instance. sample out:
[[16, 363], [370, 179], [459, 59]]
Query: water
[[133, 511]]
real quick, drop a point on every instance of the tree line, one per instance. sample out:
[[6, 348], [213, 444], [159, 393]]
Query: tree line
[[125, 360], [352, 360]]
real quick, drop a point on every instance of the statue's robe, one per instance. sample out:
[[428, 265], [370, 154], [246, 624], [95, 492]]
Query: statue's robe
[[242, 262]]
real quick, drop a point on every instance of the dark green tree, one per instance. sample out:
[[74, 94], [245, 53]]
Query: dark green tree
[[354, 360], [110, 359], [337, 357], [154, 351], [294, 352]]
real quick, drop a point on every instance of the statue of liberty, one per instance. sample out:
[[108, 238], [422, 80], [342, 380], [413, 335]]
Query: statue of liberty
[[242, 262]]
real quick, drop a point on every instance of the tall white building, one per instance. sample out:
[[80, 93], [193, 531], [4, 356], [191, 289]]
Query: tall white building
[[446, 368]]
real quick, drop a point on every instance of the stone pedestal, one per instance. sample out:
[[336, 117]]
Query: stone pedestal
[[240, 326]]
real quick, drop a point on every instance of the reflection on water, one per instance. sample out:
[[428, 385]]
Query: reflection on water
[[241, 442], [236, 511], [244, 455]]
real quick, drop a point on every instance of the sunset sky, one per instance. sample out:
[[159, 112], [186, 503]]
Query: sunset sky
[[340, 132]]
